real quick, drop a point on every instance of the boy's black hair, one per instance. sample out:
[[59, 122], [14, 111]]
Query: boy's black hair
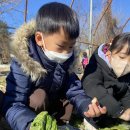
[[119, 42], [52, 16]]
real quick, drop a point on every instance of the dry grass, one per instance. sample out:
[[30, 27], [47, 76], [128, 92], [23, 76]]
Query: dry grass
[[2, 83]]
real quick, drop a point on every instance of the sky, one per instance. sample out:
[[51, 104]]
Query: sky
[[120, 8]]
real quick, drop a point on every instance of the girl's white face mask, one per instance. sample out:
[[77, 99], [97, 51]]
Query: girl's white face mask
[[55, 56], [127, 69], [120, 67]]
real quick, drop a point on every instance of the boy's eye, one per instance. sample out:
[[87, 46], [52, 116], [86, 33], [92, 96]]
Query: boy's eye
[[60, 46], [71, 47]]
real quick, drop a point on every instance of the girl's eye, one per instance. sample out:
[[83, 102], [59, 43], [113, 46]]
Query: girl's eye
[[121, 57]]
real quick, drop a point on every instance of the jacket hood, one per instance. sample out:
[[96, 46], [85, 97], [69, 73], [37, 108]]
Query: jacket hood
[[102, 54], [19, 50], [101, 60]]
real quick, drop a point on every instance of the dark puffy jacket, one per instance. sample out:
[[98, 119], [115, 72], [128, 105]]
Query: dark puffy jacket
[[31, 69], [100, 81]]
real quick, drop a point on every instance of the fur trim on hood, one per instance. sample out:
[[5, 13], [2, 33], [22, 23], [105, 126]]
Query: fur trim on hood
[[19, 50]]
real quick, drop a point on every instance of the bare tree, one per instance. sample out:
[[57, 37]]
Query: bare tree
[[107, 26], [103, 13], [8, 5], [125, 24], [4, 40]]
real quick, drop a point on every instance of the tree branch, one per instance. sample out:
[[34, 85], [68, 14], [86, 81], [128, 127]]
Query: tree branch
[[102, 17], [125, 24], [72, 3]]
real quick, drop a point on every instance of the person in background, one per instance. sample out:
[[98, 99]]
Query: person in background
[[107, 77], [84, 60]]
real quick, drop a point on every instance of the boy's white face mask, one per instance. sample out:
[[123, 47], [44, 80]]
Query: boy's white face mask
[[55, 56]]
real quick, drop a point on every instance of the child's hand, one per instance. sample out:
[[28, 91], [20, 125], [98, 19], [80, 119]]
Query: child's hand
[[126, 115], [95, 110]]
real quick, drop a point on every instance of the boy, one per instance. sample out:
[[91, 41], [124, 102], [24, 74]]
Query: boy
[[40, 79]]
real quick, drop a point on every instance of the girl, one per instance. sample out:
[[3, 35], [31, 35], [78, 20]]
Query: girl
[[107, 77]]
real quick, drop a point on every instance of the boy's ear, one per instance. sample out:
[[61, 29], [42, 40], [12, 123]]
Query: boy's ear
[[39, 39]]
